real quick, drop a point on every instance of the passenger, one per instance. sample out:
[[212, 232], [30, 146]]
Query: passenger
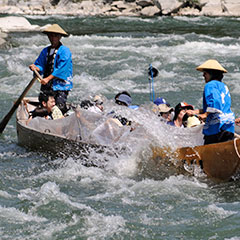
[[94, 105], [219, 125], [165, 112], [86, 104], [180, 116], [193, 121], [98, 100], [125, 99], [55, 64], [47, 108], [163, 109]]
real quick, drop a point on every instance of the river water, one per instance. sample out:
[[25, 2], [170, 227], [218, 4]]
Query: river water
[[61, 199]]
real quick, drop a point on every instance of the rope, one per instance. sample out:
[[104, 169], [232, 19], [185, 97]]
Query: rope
[[150, 91], [235, 146]]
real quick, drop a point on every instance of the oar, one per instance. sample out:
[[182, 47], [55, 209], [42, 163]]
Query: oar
[[6, 119]]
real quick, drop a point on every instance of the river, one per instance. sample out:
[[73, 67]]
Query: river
[[58, 199]]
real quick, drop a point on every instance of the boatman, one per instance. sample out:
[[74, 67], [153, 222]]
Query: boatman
[[219, 125], [55, 64]]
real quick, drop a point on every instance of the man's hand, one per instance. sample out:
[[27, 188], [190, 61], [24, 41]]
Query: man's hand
[[192, 112], [44, 81], [203, 116], [33, 67], [198, 113]]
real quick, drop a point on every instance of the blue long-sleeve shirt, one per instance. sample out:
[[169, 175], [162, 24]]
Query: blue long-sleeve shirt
[[62, 68], [217, 102]]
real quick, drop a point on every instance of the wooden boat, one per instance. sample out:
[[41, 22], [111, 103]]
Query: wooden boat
[[219, 161]]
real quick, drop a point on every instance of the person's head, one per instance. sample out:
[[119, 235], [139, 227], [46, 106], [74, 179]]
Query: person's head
[[55, 33], [86, 104], [193, 121], [165, 111], [210, 74], [123, 98], [98, 100], [47, 101], [212, 70], [180, 111]]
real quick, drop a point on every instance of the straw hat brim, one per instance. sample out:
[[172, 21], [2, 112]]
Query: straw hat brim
[[211, 64], [164, 108], [55, 28]]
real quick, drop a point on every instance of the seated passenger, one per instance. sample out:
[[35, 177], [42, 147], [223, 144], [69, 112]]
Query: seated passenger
[[98, 100], [47, 108], [125, 99], [86, 104], [162, 109], [193, 121], [180, 116], [94, 105], [166, 112]]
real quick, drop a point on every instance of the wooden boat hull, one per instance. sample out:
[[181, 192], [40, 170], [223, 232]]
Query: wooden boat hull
[[220, 161], [55, 145]]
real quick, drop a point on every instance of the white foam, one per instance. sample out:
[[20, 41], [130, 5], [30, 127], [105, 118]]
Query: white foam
[[44, 17], [48, 192], [5, 194], [189, 19], [13, 215], [219, 212], [232, 238], [104, 226], [125, 166]]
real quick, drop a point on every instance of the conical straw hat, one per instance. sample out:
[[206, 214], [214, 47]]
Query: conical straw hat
[[211, 64], [55, 28]]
